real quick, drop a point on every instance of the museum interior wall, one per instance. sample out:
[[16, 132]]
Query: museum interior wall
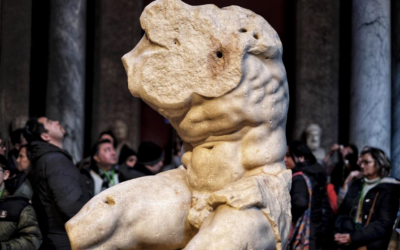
[[64, 61]]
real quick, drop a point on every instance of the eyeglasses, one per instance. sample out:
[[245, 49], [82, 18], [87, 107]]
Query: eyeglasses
[[365, 162]]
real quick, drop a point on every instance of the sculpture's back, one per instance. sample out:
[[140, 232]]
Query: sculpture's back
[[217, 75]]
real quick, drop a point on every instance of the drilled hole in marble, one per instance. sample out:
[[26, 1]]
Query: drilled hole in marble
[[110, 201], [219, 54], [256, 36], [243, 30]]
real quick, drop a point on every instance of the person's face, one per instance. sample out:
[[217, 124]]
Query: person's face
[[368, 167], [4, 174], [107, 137], [289, 160], [23, 162], [106, 154], [313, 139], [157, 167], [55, 132], [131, 161]]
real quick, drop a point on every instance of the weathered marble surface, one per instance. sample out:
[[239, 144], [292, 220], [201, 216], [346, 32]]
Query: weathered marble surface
[[395, 159], [217, 76], [317, 68], [16, 17], [66, 79], [370, 109], [313, 135]]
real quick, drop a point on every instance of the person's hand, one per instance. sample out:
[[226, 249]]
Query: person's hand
[[353, 175], [328, 155], [343, 239], [335, 147]]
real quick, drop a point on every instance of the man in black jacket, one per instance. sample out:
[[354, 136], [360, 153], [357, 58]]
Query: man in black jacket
[[58, 192]]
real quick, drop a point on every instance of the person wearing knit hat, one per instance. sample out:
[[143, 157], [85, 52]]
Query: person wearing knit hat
[[150, 158]]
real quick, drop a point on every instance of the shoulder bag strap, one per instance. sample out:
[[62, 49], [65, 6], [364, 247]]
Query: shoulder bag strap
[[372, 209]]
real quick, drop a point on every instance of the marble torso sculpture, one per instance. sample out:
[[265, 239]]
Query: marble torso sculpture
[[313, 134], [217, 76]]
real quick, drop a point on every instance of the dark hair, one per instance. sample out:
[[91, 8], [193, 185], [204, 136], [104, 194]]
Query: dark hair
[[352, 161], [95, 149], [16, 136], [353, 148], [28, 153], [125, 153], [300, 149], [34, 129], [382, 162], [110, 133]]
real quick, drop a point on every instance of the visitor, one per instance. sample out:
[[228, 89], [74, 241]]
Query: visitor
[[347, 162], [368, 211], [18, 223], [127, 162], [58, 193], [150, 158], [310, 207], [105, 135], [23, 160], [103, 172]]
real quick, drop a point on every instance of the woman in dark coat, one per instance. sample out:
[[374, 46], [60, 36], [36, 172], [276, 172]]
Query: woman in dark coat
[[304, 167], [369, 209]]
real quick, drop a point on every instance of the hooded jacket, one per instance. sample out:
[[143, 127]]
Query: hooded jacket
[[320, 208], [19, 228], [375, 235], [58, 192]]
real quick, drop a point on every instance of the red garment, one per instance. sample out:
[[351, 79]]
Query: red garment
[[332, 197]]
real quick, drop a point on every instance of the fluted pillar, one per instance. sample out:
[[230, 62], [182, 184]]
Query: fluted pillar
[[370, 109], [396, 89], [66, 77]]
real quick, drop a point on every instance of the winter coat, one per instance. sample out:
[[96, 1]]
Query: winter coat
[[19, 228], [375, 235], [93, 182], [58, 192], [130, 173], [142, 170], [320, 207]]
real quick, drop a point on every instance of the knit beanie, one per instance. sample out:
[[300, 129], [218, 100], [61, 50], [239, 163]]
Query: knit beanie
[[150, 153]]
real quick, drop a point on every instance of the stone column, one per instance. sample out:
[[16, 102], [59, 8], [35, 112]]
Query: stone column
[[66, 77], [15, 51], [316, 91], [370, 109], [396, 89], [117, 33]]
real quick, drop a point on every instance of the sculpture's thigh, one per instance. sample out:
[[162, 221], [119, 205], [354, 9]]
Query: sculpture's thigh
[[144, 213], [230, 229]]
